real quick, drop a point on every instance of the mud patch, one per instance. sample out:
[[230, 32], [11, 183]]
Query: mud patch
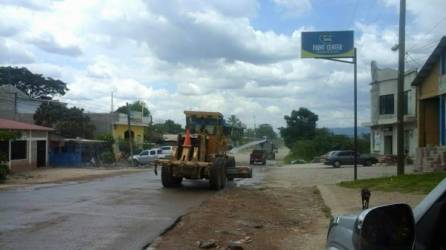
[[267, 218]]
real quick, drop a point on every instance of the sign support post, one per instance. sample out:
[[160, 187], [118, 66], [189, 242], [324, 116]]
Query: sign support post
[[355, 104], [333, 46]]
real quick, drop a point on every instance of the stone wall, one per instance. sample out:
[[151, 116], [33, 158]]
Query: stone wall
[[430, 158]]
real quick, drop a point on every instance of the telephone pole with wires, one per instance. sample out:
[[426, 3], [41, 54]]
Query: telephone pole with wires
[[400, 99], [130, 134]]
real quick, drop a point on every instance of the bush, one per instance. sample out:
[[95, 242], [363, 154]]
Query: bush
[[107, 157], [323, 142], [4, 171]]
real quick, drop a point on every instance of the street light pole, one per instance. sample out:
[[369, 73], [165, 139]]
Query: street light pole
[[400, 99]]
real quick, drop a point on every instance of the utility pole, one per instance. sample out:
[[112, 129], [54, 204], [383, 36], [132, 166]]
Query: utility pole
[[255, 132], [130, 133], [400, 99], [111, 104], [355, 105]]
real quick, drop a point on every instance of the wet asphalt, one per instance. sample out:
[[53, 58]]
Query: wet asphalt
[[121, 212]]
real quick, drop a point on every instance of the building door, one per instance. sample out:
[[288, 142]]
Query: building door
[[41, 153], [388, 145]]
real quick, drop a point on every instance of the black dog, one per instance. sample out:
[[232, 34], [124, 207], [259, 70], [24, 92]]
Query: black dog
[[365, 197]]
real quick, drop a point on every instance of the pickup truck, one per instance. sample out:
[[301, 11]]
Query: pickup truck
[[346, 157], [394, 226]]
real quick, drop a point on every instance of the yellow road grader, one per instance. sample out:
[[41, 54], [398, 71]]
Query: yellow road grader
[[202, 153]]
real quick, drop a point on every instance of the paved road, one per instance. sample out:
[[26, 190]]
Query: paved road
[[319, 174], [123, 212]]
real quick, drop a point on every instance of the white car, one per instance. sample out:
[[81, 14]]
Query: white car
[[166, 152], [148, 156]]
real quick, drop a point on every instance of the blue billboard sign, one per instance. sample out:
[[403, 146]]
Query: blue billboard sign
[[327, 44]]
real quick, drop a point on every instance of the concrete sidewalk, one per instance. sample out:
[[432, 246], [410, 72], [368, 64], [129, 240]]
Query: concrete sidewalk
[[348, 200]]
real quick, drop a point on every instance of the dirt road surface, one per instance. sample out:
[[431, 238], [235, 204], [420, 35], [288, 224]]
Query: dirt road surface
[[254, 218], [282, 211]]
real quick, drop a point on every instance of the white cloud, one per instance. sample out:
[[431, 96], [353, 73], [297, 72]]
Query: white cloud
[[47, 43], [200, 55], [294, 8]]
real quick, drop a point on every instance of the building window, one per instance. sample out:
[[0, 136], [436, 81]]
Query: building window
[[386, 104], [18, 150], [406, 102]]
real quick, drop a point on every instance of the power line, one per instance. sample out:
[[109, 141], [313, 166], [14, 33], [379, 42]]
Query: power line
[[432, 29]]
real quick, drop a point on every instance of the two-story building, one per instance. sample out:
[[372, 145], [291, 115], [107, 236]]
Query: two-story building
[[17, 105], [431, 99], [384, 98], [116, 124]]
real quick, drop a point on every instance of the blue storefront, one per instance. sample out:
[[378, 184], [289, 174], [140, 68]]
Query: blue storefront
[[74, 152]]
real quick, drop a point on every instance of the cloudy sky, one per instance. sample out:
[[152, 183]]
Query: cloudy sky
[[236, 57]]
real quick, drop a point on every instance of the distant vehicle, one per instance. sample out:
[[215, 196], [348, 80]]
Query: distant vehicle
[[148, 156], [269, 148], [258, 156], [346, 157], [394, 226]]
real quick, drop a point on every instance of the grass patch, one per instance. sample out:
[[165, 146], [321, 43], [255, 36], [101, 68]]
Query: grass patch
[[325, 209], [413, 183]]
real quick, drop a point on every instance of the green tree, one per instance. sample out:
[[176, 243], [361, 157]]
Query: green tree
[[68, 122], [34, 85], [301, 124], [266, 130], [236, 128], [156, 131], [324, 141], [135, 106]]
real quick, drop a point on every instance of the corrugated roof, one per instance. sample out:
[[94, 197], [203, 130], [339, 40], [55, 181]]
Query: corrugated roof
[[430, 62], [15, 125]]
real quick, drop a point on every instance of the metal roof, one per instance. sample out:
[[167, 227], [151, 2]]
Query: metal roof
[[15, 125], [203, 114], [430, 62]]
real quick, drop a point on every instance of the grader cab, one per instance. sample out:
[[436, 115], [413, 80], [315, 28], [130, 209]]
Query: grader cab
[[201, 153]]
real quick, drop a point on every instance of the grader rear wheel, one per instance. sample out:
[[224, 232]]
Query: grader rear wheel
[[168, 179]]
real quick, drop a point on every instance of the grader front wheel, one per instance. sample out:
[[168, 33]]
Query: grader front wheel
[[168, 179], [217, 175]]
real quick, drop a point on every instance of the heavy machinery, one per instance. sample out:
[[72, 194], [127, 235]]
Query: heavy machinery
[[202, 153]]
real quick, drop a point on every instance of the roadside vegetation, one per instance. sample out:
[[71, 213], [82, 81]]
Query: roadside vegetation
[[413, 183], [307, 142]]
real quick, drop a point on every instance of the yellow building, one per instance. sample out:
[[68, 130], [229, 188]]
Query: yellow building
[[120, 130], [116, 125]]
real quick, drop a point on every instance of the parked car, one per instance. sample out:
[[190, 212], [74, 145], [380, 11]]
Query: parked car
[[346, 157], [148, 156], [258, 156], [166, 152], [394, 226], [298, 161], [323, 158]]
